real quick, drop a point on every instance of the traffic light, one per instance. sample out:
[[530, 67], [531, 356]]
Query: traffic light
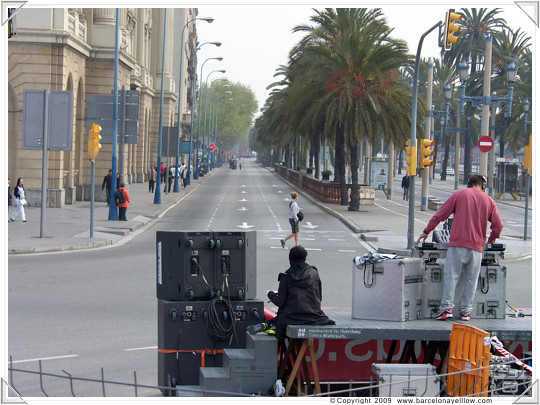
[[528, 156], [412, 159], [425, 153], [93, 141], [450, 28]]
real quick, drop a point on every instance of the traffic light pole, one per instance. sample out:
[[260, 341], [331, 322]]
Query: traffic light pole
[[92, 184], [410, 228]]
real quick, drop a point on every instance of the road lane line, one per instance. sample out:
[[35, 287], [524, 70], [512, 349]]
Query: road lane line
[[140, 348], [46, 358]]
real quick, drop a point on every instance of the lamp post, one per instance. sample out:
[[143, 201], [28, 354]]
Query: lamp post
[[214, 120], [157, 194], [212, 113], [193, 98], [486, 101], [526, 107], [209, 20], [205, 110], [196, 174]]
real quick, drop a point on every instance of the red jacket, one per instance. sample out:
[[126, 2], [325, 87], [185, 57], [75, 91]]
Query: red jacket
[[126, 196], [472, 209]]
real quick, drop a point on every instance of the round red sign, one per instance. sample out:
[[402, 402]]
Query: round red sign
[[485, 143]]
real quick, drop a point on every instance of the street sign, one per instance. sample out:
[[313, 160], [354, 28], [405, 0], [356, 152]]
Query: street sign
[[59, 120], [485, 143], [212, 147], [99, 110]]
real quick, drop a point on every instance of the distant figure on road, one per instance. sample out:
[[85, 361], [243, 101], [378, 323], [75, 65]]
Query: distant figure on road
[[122, 201], [107, 183], [298, 297], [472, 209], [405, 183], [152, 177], [293, 220], [19, 201]]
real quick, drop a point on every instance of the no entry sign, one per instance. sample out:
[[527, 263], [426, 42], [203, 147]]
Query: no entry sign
[[485, 143]]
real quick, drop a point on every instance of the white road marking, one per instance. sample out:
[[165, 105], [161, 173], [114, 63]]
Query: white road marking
[[47, 358], [244, 225], [337, 240], [313, 249], [347, 251], [140, 348]]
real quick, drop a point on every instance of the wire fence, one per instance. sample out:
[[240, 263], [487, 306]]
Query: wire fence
[[504, 381]]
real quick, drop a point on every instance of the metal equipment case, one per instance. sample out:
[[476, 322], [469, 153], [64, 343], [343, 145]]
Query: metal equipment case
[[489, 298], [388, 291], [185, 341], [195, 265], [407, 380]]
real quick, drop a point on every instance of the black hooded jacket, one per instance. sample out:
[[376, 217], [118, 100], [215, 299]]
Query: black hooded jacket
[[299, 298]]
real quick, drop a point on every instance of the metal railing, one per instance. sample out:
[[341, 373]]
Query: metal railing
[[419, 385]]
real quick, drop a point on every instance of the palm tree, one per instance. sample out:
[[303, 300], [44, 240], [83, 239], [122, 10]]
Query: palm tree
[[364, 95]]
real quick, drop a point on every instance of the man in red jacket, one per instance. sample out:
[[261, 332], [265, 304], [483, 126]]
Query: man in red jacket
[[122, 203], [472, 210]]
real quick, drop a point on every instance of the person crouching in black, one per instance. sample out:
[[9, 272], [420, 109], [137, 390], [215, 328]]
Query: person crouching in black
[[298, 297]]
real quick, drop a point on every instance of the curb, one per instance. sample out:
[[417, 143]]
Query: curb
[[121, 231]]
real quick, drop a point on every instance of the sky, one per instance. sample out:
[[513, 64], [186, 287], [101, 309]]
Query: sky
[[256, 40]]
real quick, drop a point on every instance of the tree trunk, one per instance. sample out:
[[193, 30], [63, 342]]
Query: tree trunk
[[339, 164], [355, 195]]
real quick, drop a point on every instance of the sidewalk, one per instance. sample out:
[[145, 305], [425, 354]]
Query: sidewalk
[[69, 228], [382, 226]]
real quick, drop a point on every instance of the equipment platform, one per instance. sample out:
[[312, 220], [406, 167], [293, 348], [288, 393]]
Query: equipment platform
[[510, 328]]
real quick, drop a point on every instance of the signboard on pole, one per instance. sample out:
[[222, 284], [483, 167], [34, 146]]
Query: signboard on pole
[[378, 177], [485, 143], [212, 147], [60, 119], [100, 111]]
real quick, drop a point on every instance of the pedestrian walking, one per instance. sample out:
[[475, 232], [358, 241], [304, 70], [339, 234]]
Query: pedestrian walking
[[405, 183], [183, 173], [107, 184], [8, 193], [472, 209], [20, 201], [293, 220], [122, 201], [162, 179], [152, 177]]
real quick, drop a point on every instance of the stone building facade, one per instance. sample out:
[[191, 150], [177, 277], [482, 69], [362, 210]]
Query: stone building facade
[[74, 49]]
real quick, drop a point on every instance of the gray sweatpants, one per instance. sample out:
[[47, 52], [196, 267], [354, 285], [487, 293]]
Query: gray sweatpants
[[462, 262]]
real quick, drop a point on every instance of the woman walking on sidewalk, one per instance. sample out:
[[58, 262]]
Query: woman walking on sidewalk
[[19, 201]]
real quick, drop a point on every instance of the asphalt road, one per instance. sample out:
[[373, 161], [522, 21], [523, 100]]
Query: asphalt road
[[83, 311]]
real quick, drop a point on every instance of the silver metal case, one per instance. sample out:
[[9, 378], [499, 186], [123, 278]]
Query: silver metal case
[[388, 291], [407, 380], [489, 299]]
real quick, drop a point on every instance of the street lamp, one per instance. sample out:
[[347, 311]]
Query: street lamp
[[526, 108], [511, 71], [211, 118], [205, 110], [193, 97], [196, 174], [209, 20]]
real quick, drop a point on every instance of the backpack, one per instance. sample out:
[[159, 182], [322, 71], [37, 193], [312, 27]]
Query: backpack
[[299, 215], [120, 197]]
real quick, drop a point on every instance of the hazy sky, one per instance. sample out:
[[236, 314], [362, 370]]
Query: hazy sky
[[257, 39]]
